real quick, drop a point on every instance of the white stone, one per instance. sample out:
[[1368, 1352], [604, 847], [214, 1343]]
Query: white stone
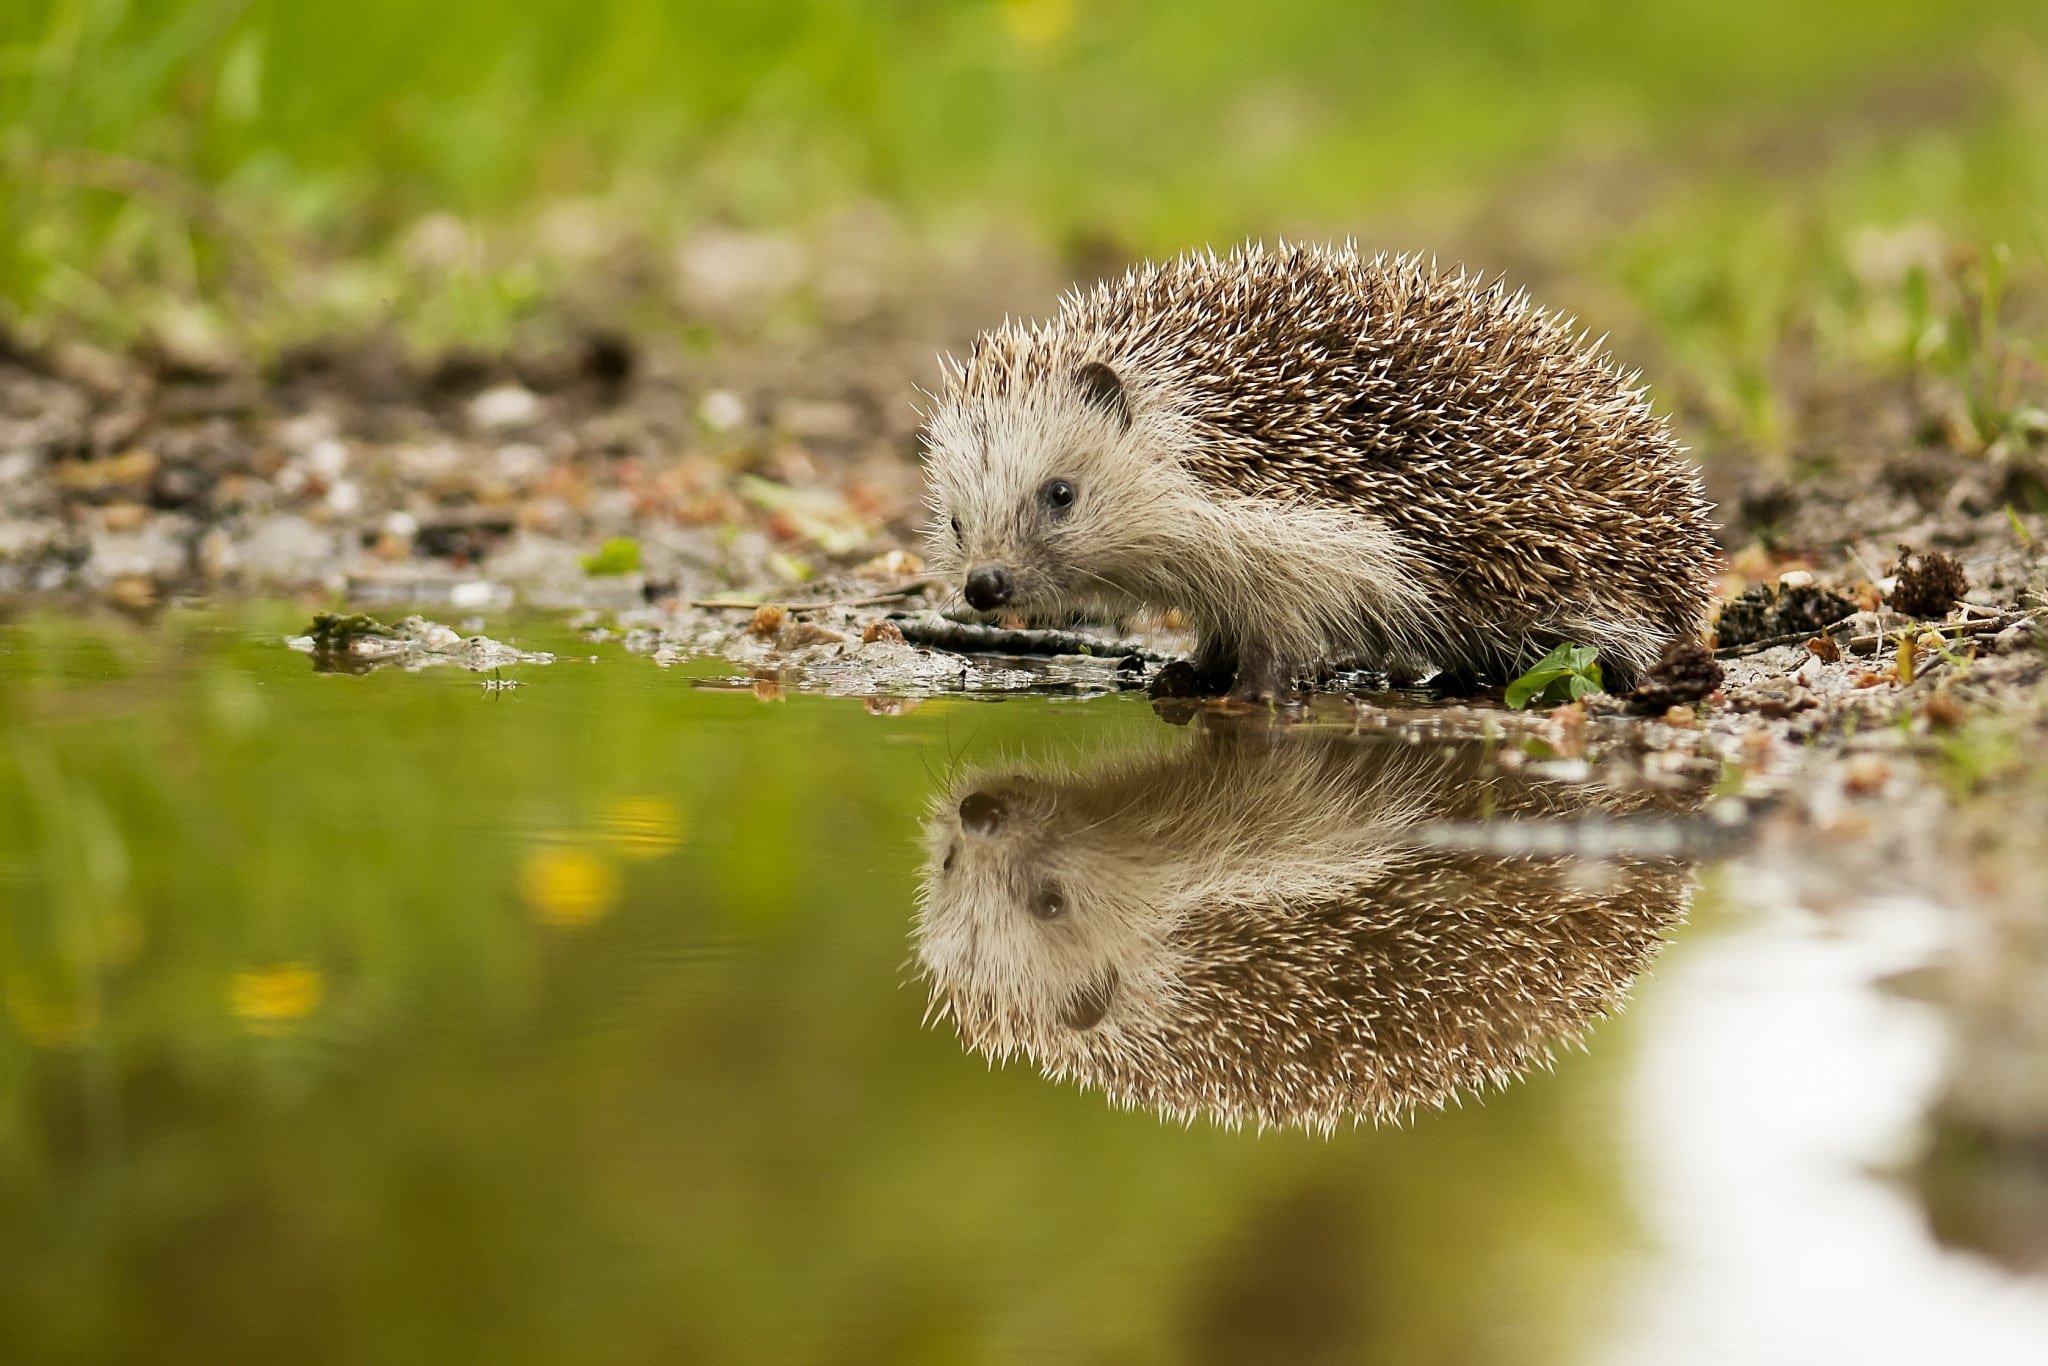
[[17, 467], [722, 410], [327, 458], [520, 462], [507, 405], [430, 464], [301, 433], [23, 537], [155, 550]]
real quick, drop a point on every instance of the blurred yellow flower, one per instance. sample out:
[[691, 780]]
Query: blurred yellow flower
[[1038, 23], [567, 886], [50, 1020], [269, 1000], [643, 827]]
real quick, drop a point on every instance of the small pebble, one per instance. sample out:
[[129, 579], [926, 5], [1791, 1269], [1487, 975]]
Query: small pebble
[[123, 516], [810, 633], [508, 405], [327, 458], [722, 410], [1757, 747], [1944, 712], [890, 564], [135, 592], [1865, 775], [1565, 729], [886, 631]]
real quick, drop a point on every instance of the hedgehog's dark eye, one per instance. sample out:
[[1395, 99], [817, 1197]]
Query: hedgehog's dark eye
[[952, 854], [1048, 903], [956, 530], [1058, 495]]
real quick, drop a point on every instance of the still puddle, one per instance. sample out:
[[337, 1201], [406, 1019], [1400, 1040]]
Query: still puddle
[[395, 1017]]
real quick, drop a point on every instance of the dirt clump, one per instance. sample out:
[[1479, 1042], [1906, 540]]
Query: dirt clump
[[1930, 584], [1765, 612], [1687, 672]]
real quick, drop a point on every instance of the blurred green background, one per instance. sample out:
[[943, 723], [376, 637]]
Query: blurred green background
[[1161, 122], [1745, 190]]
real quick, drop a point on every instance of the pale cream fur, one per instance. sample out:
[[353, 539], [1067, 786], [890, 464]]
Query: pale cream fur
[[1289, 586]]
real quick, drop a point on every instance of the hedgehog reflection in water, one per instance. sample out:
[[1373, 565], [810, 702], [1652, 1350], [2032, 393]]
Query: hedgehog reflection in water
[[1264, 928]]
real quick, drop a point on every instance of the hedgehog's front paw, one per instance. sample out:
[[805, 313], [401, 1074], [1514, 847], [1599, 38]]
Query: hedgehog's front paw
[[1191, 678], [1455, 682]]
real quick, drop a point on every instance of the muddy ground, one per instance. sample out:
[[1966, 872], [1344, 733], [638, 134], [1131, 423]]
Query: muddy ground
[[769, 489]]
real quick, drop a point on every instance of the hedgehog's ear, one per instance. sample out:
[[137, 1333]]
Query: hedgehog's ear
[[1102, 387], [1086, 1008]]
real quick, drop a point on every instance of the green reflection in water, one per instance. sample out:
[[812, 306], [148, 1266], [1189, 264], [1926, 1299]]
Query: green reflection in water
[[384, 1019]]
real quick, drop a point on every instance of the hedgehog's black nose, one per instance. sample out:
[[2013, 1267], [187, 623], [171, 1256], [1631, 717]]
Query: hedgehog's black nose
[[981, 814], [988, 585]]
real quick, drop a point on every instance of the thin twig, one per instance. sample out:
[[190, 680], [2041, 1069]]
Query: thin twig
[[877, 600], [1867, 644], [966, 638], [1864, 644], [1756, 647]]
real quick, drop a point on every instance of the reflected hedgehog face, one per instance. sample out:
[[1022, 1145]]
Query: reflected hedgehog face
[[1018, 928]]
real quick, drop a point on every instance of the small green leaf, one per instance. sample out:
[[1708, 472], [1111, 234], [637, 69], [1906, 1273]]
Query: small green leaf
[[1566, 674], [619, 555]]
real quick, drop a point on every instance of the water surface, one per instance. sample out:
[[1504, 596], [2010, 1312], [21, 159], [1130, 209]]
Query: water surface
[[394, 1018]]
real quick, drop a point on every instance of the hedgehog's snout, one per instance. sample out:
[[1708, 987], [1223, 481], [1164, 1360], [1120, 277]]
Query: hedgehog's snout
[[981, 815], [988, 587]]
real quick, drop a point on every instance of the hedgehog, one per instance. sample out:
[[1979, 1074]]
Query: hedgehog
[[1276, 932], [1320, 460]]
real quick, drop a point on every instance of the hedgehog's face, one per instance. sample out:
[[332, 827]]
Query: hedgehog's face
[[1035, 482], [1024, 925]]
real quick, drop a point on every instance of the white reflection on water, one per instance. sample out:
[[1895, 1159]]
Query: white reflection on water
[[1776, 1083]]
